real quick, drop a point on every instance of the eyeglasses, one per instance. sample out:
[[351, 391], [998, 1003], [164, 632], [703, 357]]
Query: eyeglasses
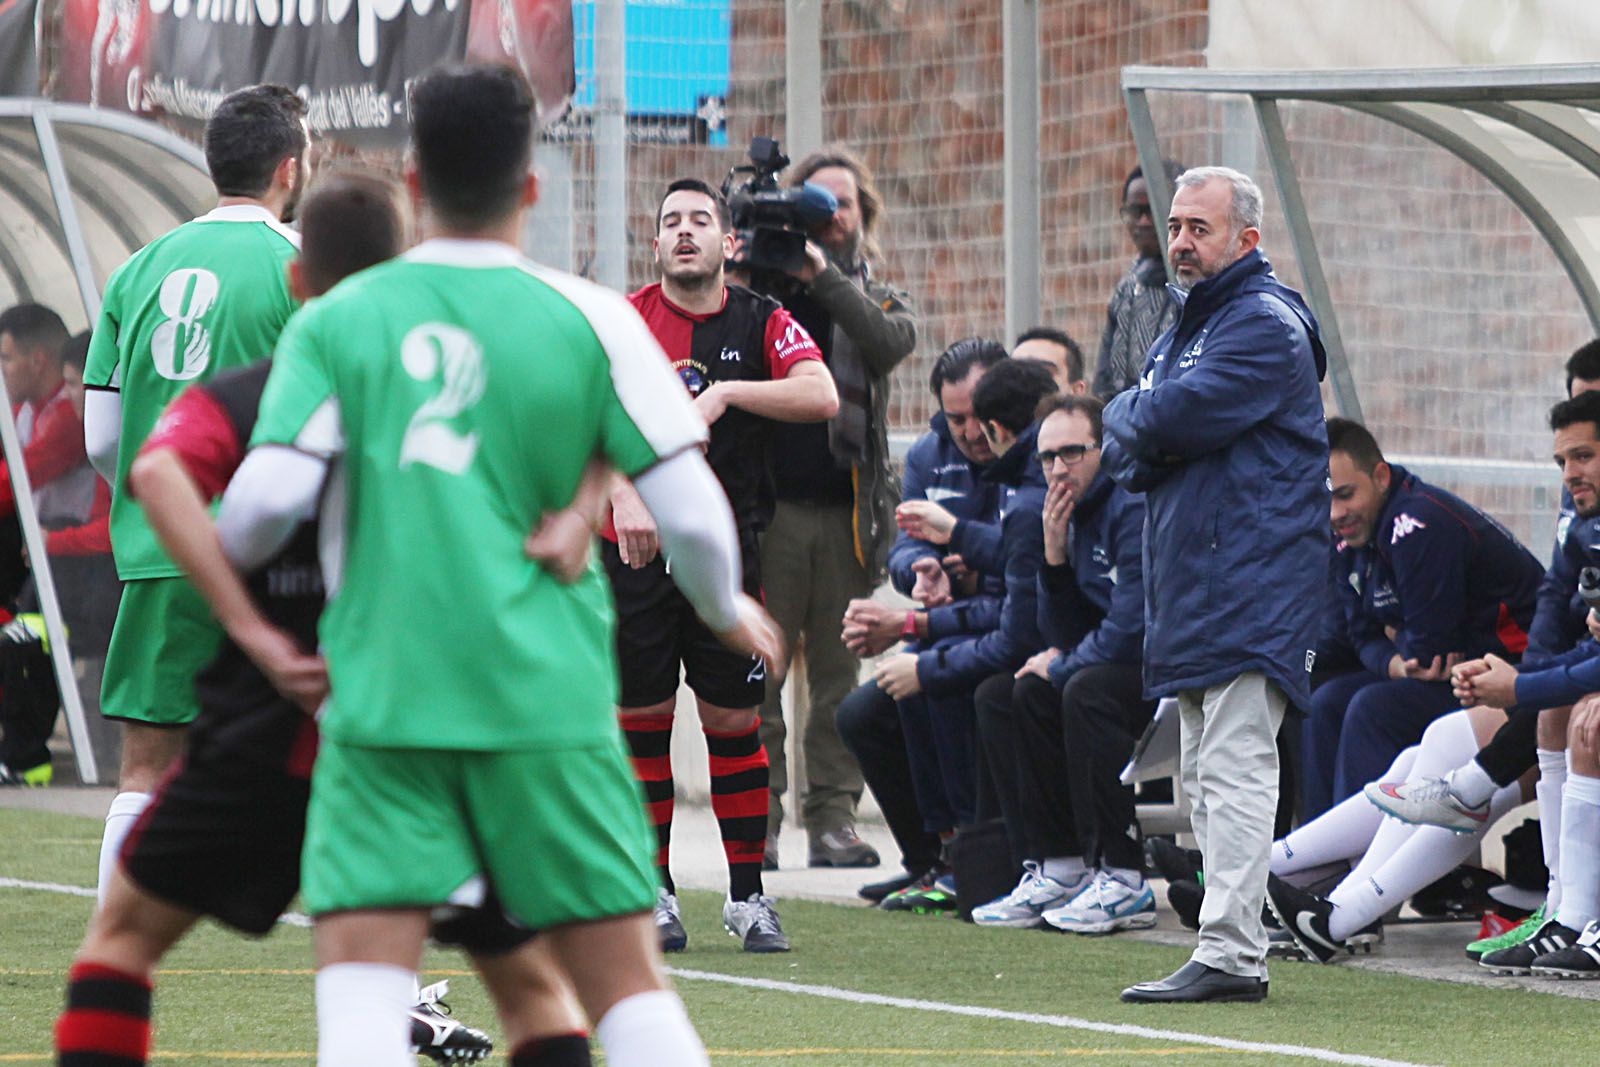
[[1068, 454], [1135, 212]]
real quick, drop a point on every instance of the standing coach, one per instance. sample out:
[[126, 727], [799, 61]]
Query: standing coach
[[1225, 436]]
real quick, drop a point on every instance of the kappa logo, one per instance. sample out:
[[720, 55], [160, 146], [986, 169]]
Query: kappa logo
[[730, 355], [1405, 525]]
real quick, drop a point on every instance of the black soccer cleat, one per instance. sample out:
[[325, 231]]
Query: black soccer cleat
[[1551, 938], [439, 1037], [1172, 862], [1581, 959], [1305, 915]]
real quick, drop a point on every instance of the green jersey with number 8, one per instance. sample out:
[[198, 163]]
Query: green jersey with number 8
[[460, 392], [209, 295]]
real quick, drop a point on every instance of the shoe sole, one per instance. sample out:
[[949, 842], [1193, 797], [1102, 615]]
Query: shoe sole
[[866, 859], [1252, 996], [1031, 923], [1141, 921], [1309, 953], [1507, 970], [1563, 973]]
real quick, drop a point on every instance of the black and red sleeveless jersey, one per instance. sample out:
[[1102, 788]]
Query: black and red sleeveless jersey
[[209, 427], [750, 338]]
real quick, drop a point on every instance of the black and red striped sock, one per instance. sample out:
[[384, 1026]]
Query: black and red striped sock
[[107, 1021], [558, 1050], [739, 799], [650, 744]]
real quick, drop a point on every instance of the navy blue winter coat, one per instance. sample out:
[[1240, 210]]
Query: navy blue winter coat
[[1440, 573], [937, 470], [1092, 606], [1558, 620], [953, 667], [1225, 437]]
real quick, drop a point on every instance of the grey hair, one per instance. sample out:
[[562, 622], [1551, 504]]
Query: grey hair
[[1246, 208]]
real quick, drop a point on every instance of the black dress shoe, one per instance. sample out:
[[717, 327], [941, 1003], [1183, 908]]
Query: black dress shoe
[[1196, 983]]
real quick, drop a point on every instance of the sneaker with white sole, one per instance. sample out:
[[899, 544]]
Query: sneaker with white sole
[[669, 923], [1107, 904], [439, 1037], [1023, 908], [755, 922], [1427, 801]]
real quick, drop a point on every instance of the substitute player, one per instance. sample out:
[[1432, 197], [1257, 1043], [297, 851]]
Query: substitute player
[[746, 362], [222, 836], [209, 295], [457, 394]]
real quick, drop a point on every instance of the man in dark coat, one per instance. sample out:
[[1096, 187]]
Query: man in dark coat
[[1225, 437]]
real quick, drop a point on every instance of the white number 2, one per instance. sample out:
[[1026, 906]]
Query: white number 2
[[438, 349]]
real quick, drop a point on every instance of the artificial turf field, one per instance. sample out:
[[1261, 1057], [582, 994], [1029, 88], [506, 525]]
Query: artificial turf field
[[933, 987]]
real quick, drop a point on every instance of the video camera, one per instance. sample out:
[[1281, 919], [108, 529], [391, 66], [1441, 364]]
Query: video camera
[[772, 223]]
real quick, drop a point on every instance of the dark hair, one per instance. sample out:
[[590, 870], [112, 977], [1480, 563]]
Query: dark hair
[[1585, 407], [1171, 166], [350, 221], [249, 134], [1355, 441], [34, 326], [1075, 366], [1584, 363], [1010, 392], [695, 185], [472, 128], [75, 353], [1067, 403], [957, 361], [867, 195]]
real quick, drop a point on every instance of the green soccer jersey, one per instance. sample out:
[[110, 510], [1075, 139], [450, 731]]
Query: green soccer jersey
[[210, 295], [460, 392]]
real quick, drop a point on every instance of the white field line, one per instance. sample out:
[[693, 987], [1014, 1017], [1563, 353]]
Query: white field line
[[1066, 1022]]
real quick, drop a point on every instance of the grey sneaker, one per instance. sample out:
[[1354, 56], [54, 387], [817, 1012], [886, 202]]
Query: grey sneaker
[[669, 924], [755, 922], [842, 848]]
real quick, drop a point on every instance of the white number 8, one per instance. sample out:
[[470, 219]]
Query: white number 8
[[451, 353], [181, 347]]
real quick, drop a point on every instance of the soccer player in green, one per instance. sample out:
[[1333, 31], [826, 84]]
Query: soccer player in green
[[437, 406], [210, 295]]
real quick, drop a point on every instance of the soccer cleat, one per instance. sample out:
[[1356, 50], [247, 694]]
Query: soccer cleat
[[1173, 863], [1282, 945], [876, 891], [842, 848], [1512, 937], [1581, 959], [1023, 908], [669, 923], [1106, 905], [1427, 801], [41, 775], [933, 892], [24, 632], [441, 1038], [756, 923], [1305, 916], [1518, 959]]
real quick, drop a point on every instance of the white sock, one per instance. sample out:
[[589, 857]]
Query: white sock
[[361, 1015], [1580, 852], [1427, 854], [1471, 784], [120, 817], [1127, 876], [1343, 832], [650, 1030], [1552, 777], [1064, 869]]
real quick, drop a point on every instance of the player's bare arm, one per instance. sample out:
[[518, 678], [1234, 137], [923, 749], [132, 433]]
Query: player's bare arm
[[563, 538]]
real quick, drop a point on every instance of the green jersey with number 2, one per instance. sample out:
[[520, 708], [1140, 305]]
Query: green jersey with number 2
[[460, 392], [209, 295]]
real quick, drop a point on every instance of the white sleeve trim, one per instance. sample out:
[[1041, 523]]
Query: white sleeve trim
[[102, 430], [273, 491], [698, 536]]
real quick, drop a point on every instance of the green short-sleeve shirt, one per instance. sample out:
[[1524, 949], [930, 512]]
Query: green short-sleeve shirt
[[460, 392]]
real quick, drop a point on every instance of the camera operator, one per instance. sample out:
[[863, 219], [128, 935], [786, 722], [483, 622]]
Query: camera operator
[[834, 521]]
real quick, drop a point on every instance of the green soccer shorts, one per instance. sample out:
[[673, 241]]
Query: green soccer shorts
[[561, 834], [164, 636]]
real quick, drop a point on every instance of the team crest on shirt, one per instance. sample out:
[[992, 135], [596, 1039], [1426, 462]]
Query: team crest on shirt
[[693, 375], [1404, 525]]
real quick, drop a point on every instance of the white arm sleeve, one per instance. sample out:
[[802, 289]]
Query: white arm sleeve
[[273, 491], [102, 430], [697, 534]]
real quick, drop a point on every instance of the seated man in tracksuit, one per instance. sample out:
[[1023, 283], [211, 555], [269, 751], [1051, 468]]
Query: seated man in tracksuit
[[934, 687], [1427, 580], [1060, 730], [944, 468]]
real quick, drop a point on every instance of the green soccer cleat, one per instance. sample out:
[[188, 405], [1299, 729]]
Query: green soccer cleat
[[1510, 939]]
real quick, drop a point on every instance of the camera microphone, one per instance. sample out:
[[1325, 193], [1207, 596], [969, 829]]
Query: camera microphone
[[814, 206]]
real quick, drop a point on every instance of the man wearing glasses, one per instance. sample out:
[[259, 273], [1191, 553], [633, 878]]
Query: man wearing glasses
[[1066, 723], [1141, 309]]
